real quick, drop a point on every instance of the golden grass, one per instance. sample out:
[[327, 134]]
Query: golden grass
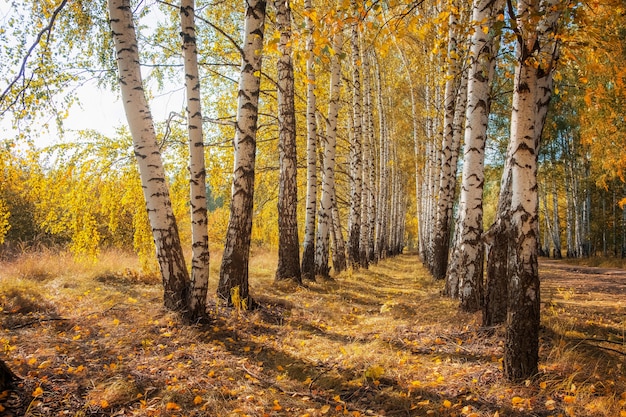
[[93, 339]]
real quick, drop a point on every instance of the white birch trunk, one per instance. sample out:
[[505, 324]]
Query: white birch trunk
[[153, 180], [449, 153], [356, 167], [327, 202], [234, 268], [465, 272], [382, 212], [308, 253], [368, 169], [521, 351], [197, 172]]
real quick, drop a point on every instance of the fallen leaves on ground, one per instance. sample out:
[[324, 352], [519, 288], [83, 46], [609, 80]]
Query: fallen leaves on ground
[[376, 342]]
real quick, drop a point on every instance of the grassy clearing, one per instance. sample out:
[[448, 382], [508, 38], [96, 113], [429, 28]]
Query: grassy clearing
[[93, 340]]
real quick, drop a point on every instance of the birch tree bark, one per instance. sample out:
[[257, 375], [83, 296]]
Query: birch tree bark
[[383, 171], [537, 54], [288, 244], [450, 147], [155, 189], [308, 253], [327, 199], [356, 167], [234, 268], [197, 172], [367, 195], [465, 272]]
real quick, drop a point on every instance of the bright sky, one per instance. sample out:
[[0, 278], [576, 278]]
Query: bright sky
[[99, 109], [102, 110]]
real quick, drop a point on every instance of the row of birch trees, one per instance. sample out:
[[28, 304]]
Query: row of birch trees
[[504, 55], [377, 206], [371, 109], [509, 248]]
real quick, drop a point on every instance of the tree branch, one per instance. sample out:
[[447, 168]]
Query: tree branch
[[22, 72]]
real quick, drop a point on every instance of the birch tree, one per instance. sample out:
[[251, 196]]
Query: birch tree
[[450, 146], [156, 193], [535, 31], [233, 283], [383, 170], [197, 172], [465, 272], [308, 253], [368, 203], [288, 245], [327, 199], [356, 167]]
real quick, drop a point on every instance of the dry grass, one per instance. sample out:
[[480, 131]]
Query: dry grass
[[93, 340]]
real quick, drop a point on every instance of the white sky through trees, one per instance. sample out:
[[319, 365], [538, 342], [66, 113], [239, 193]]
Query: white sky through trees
[[98, 108]]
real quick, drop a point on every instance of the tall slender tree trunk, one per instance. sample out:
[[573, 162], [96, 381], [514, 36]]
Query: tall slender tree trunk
[[153, 179], [383, 174], [556, 231], [288, 243], [340, 262], [356, 161], [308, 253], [369, 174], [197, 171], [366, 191], [465, 271], [447, 173], [531, 92], [234, 268], [327, 199]]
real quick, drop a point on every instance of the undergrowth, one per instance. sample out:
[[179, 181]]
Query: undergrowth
[[94, 340]]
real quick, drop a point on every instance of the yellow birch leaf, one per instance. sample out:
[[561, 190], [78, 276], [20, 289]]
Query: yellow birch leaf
[[517, 401], [197, 400], [277, 406], [485, 29], [447, 403], [325, 409], [38, 392], [550, 405], [172, 406]]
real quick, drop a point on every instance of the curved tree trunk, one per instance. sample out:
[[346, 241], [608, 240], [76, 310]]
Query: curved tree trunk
[[234, 268], [288, 244], [308, 254], [197, 172], [155, 190]]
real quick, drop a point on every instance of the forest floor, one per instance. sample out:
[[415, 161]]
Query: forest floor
[[94, 340]]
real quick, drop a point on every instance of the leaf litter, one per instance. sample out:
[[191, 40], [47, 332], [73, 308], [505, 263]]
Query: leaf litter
[[380, 342]]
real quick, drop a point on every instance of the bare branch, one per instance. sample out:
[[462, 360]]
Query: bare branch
[[22, 72]]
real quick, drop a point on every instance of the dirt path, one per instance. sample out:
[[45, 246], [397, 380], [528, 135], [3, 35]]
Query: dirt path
[[583, 279]]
